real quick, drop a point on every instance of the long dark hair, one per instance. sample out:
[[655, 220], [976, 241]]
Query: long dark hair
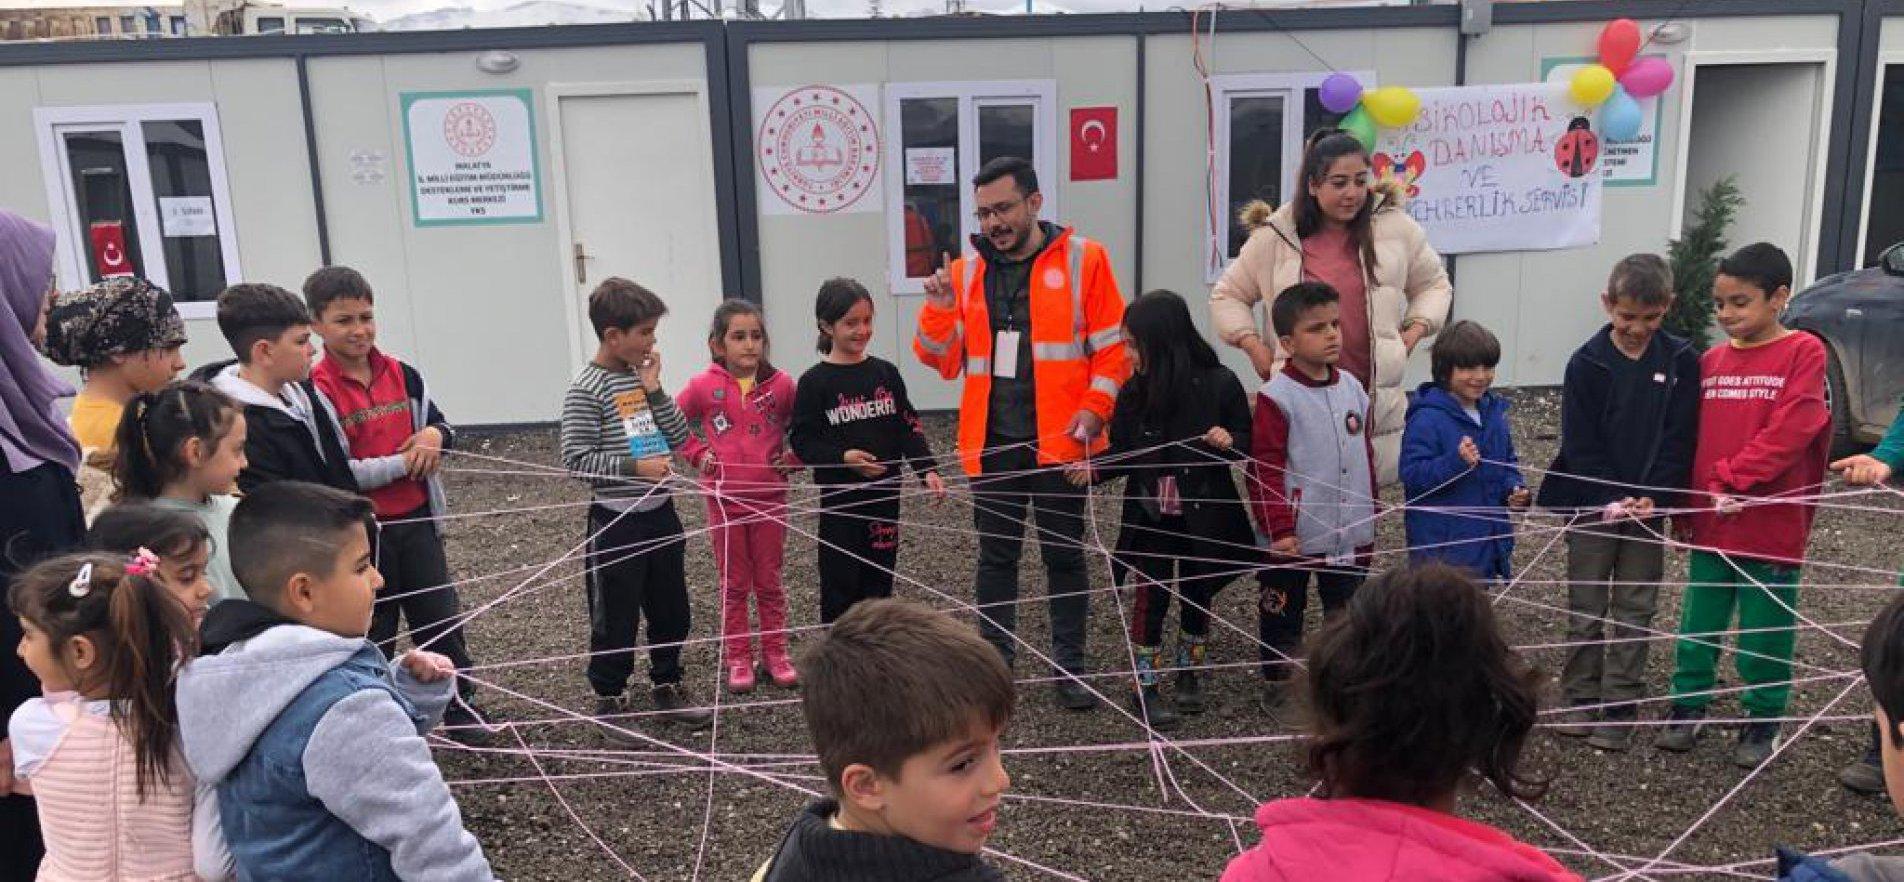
[[1412, 687], [724, 315], [154, 429], [1170, 351], [139, 631], [1323, 148], [836, 299]]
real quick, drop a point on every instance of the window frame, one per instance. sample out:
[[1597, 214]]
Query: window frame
[[1040, 95], [128, 120], [1292, 87]]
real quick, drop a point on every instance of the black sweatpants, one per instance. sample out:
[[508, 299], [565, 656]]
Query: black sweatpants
[[1285, 597], [1166, 563], [1011, 483], [39, 517], [859, 544], [416, 586], [636, 567]]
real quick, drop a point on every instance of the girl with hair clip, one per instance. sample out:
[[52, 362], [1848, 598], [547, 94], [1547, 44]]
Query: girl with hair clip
[[100, 749], [739, 408], [181, 448], [175, 543], [1350, 232], [1413, 695]]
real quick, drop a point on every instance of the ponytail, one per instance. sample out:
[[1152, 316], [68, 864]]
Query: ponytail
[[140, 633], [153, 432]]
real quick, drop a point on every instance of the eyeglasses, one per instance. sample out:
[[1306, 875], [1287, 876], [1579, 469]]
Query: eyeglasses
[[1000, 210]]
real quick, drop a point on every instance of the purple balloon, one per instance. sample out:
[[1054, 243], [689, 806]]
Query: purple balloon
[[1647, 77], [1339, 93]]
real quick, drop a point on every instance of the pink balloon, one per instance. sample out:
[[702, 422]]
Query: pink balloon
[[1647, 77], [1619, 42]]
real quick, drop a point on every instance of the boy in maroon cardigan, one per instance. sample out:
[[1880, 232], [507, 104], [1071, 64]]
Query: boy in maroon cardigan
[[1762, 434]]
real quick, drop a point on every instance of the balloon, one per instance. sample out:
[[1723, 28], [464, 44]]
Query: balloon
[[1647, 77], [1339, 93], [1591, 85], [1620, 117], [1357, 123], [1392, 106], [1619, 42]]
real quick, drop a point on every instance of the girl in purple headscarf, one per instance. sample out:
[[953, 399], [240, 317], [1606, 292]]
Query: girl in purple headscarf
[[40, 515]]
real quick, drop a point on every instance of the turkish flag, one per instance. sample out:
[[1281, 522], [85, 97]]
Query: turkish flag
[[1093, 143], [109, 249]]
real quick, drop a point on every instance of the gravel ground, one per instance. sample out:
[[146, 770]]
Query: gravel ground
[[660, 822]]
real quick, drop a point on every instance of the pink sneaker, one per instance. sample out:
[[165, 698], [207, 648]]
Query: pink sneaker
[[781, 670], [740, 678]]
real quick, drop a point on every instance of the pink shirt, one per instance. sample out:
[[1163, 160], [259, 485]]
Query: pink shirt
[[1328, 256], [746, 430], [1368, 840]]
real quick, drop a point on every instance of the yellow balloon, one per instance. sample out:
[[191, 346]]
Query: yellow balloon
[[1392, 106], [1592, 85]]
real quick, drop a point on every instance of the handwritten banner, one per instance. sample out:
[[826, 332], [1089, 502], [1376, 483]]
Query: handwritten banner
[[1498, 168]]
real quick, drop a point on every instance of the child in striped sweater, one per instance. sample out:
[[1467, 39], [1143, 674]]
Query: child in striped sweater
[[100, 749], [618, 427]]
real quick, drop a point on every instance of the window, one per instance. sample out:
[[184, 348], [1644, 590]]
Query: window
[[322, 26], [141, 190], [128, 24], [272, 24], [946, 131], [177, 23], [1261, 123], [102, 25]]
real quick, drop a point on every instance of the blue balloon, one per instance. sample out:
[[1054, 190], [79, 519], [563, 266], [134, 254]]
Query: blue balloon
[[1620, 117]]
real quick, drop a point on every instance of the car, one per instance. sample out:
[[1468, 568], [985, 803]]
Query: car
[[1860, 317]]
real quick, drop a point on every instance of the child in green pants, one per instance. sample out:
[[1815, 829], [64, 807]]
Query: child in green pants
[[1762, 435]]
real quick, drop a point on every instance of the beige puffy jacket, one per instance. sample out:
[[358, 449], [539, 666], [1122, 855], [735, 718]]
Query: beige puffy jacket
[[1409, 285]]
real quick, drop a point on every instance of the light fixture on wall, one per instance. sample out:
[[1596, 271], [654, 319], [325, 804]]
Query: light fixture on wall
[[1672, 32], [497, 61]]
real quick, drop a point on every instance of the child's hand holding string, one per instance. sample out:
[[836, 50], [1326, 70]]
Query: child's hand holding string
[[423, 452], [1863, 470], [708, 464], [1218, 438], [863, 463], [1470, 454], [427, 667], [935, 485], [1288, 546], [1520, 498]]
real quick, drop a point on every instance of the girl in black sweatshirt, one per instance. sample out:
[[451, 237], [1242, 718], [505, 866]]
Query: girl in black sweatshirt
[[854, 426]]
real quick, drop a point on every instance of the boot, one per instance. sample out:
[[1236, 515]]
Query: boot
[[1866, 776], [614, 710], [772, 607], [1149, 704], [1757, 742], [1615, 731], [675, 707], [740, 675], [1192, 649], [737, 638], [1684, 725]]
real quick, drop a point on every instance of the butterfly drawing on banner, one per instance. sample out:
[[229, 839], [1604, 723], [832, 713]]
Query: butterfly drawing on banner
[[1403, 170]]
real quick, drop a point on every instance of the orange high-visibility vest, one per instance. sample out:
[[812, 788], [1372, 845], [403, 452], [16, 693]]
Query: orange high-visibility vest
[[1077, 346]]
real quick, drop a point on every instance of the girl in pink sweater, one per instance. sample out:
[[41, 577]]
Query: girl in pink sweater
[[1410, 688], [739, 409], [100, 750]]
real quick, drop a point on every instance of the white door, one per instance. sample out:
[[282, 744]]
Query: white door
[[638, 187]]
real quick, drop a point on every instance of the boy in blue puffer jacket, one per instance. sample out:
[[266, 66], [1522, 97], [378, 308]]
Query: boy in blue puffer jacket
[[1458, 466]]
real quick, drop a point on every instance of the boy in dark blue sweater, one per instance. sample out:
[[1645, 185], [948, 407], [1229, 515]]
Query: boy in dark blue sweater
[[1628, 423]]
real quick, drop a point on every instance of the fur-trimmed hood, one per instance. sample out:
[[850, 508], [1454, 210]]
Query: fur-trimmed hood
[[1389, 195]]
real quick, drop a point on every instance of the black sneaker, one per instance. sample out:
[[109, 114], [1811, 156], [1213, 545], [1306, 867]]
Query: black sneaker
[[676, 708], [1866, 776], [1188, 692], [1575, 722], [1684, 725], [1072, 695], [1154, 709], [1757, 741], [614, 711], [1615, 731], [462, 727]]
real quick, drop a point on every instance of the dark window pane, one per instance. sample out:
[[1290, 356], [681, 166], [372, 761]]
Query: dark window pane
[[271, 25], [178, 25], [1256, 158], [931, 223], [126, 24], [181, 175], [322, 26], [1886, 227], [1315, 116], [103, 193], [1005, 130], [103, 24]]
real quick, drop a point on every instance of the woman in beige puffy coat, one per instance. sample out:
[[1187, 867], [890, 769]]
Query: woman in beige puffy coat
[[1353, 235]]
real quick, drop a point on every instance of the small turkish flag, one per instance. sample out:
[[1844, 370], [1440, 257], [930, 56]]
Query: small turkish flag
[[109, 249], [1093, 143]]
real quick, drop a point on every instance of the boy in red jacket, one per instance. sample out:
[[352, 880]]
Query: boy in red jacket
[[1762, 435]]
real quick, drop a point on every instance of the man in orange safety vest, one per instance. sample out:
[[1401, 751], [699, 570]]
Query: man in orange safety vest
[[1034, 323]]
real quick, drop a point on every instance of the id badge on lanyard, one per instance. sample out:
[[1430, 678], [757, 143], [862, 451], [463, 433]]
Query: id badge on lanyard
[[1169, 502], [1005, 354]]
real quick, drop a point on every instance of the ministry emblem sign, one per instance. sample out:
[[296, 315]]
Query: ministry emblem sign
[[817, 149]]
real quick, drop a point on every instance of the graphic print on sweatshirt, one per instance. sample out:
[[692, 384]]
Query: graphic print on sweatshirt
[[854, 408], [1764, 387], [638, 421]]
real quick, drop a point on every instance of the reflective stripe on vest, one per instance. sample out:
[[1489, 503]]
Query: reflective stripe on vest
[[978, 366], [1105, 385], [936, 347], [1076, 247], [1104, 339], [1057, 352]]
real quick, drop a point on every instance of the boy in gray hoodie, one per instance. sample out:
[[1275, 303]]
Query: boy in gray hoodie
[[314, 741]]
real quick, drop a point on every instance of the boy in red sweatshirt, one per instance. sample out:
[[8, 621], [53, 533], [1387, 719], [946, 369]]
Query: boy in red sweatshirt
[[1762, 435]]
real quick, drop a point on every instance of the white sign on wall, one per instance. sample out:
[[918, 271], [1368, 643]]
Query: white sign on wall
[[931, 166], [817, 149], [472, 157], [1632, 163], [185, 216], [1498, 168]]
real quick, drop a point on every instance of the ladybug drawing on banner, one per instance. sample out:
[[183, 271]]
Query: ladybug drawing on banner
[[1578, 150], [1403, 170]]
